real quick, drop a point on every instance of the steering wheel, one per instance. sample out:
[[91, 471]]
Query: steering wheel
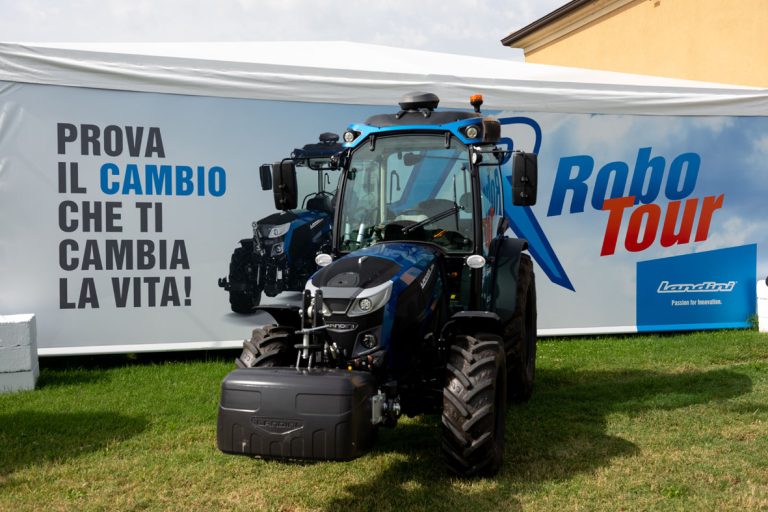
[[393, 230], [451, 238]]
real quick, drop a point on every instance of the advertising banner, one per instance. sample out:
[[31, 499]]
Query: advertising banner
[[639, 214], [120, 212]]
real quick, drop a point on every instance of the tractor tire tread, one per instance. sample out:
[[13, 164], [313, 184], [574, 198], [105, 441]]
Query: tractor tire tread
[[474, 405], [271, 345]]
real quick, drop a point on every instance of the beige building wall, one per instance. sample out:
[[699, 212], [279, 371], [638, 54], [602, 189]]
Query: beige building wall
[[712, 40]]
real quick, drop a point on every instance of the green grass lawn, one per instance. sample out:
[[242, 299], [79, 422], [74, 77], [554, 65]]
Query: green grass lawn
[[629, 423]]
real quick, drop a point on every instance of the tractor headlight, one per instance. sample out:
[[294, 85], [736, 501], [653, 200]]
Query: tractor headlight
[[475, 261], [472, 131], [278, 231], [370, 300], [365, 304], [323, 259], [277, 249]]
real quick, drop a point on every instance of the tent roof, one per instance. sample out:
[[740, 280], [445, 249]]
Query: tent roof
[[343, 72]]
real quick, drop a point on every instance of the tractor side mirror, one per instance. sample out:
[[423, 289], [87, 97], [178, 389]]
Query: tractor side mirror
[[285, 187], [265, 173], [525, 177]]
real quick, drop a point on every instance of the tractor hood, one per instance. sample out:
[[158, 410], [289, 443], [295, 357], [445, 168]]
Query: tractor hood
[[278, 218], [375, 265], [375, 293], [289, 219], [375, 271]]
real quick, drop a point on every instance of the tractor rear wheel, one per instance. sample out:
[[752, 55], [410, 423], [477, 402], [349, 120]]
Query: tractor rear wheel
[[474, 405], [269, 346], [520, 336]]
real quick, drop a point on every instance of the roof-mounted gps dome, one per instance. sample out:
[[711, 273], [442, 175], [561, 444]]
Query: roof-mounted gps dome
[[418, 101], [418, 108]]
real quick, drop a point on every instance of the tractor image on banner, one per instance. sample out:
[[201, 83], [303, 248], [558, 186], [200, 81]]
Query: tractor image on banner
[[281, 254]]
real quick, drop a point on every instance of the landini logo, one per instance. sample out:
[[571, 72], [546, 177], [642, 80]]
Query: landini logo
[[706, 286], [277, 425]]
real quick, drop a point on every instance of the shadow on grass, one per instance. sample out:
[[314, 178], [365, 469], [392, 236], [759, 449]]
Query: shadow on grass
[[89, 369], [74, 377], [109, 361], [417, 479], [32, 437], [560, 433]]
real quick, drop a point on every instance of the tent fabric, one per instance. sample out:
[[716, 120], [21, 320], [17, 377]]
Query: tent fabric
[[354, 73]]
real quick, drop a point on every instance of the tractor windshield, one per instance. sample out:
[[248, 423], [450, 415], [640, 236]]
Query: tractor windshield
[[408, 187]]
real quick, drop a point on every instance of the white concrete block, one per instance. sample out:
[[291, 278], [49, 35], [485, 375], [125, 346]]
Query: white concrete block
[[17, 330], [762, 306], [17, 381], [19, 366], [16, 359]]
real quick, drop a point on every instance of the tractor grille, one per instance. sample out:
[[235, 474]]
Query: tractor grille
[[337, 306]]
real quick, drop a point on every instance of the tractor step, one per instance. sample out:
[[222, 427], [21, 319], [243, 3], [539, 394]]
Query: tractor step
[[319, 414]]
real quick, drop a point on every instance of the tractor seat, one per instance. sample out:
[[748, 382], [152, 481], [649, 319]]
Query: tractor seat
[[321, 202]]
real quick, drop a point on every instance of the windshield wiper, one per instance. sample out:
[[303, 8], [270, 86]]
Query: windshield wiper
[[453, 210]]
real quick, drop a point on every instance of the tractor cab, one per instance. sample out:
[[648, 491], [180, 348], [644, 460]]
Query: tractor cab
[[315, 189], [431, 177]]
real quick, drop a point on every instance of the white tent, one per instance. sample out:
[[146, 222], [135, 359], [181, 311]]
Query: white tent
[[352, 73], [76, 122]]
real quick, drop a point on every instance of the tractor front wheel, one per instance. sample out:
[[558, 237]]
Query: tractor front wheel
[[474, 405], [244, 294], [269, 346]]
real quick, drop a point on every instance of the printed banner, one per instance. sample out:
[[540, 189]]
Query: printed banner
[[120, 212], [618, 190]]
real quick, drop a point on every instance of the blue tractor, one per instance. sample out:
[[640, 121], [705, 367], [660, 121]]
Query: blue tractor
[[280, 256], [422, 305]]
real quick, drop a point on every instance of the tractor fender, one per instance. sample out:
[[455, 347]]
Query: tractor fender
[[506, 268], [284, 314], [472, 322]]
